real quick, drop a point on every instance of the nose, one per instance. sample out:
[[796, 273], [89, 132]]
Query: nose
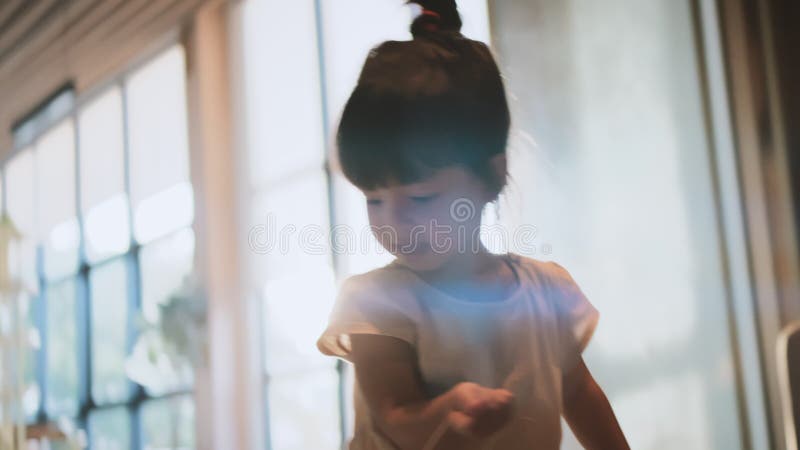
[[400, 213]]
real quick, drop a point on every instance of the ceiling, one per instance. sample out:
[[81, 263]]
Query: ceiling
[[45, 44]]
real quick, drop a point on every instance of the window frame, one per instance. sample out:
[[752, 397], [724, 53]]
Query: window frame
[[42, 121]]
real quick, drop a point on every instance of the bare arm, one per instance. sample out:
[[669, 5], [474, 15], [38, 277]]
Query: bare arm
[[589, 413], [388, 376]]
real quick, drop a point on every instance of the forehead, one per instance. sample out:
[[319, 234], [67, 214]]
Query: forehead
[[448, 178]]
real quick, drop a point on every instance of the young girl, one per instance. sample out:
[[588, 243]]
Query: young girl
[[454, 347]]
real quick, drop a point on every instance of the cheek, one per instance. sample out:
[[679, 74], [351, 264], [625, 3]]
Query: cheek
[[373, 217], [459, 212], [457, 224], [383, 230]]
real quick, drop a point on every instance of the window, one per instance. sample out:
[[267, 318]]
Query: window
[[104, 200], [293, 198]]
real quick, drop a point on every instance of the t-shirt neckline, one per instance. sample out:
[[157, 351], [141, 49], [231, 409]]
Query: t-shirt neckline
[[509, 258]]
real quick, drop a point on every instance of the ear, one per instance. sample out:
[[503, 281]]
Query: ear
[[499, 164], [499, 168]]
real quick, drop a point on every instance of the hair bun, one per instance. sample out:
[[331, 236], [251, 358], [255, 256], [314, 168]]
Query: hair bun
[[438, 15]]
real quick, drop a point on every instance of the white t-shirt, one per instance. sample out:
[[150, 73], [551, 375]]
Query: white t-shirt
[[522, 343]]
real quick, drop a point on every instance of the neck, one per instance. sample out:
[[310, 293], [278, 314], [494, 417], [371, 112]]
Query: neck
[[471, 276], [464, 266]]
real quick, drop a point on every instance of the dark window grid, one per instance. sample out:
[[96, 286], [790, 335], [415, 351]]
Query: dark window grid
[[86, 404]]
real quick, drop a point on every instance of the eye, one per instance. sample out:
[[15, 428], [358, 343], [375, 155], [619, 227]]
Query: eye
[[373, 201], [422, 198]]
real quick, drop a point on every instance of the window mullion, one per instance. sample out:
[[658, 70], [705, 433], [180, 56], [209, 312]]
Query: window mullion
[[83, 298], [133, 290], [41, 323]]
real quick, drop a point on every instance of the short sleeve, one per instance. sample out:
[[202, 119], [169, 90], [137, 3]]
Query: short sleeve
[[361, 307], [577, 317]]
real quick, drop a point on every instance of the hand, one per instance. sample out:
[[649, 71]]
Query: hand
[[478, 411]]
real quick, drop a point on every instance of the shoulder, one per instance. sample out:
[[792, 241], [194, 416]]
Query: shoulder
[[384, 279], [544, 273], [561, 289], [388, 285]]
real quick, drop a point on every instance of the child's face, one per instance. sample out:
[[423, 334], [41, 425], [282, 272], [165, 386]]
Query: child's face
[[426, 223]]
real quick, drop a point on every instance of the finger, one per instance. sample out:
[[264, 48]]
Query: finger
[[504, 395], [497, 400], [477, 406]]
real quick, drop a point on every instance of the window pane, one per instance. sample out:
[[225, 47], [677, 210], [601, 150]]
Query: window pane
[[20, 183], [285, 237], [103, 199], [164, 212], [56, 221], [163, 265], [32, 395], [20, 200], [283, 107], [304, 411], [108, 286], [15, 373], [110, 429], [159, 157], [289, 248], [295, 313], [349, 380], [62, 357], [168, 423]]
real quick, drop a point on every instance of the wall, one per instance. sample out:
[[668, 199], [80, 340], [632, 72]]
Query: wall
[[612, 163]]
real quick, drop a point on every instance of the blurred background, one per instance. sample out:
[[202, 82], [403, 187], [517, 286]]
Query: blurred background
[[149, 149]]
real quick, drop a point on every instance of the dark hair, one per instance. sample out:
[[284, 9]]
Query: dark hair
[[425, 104]]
